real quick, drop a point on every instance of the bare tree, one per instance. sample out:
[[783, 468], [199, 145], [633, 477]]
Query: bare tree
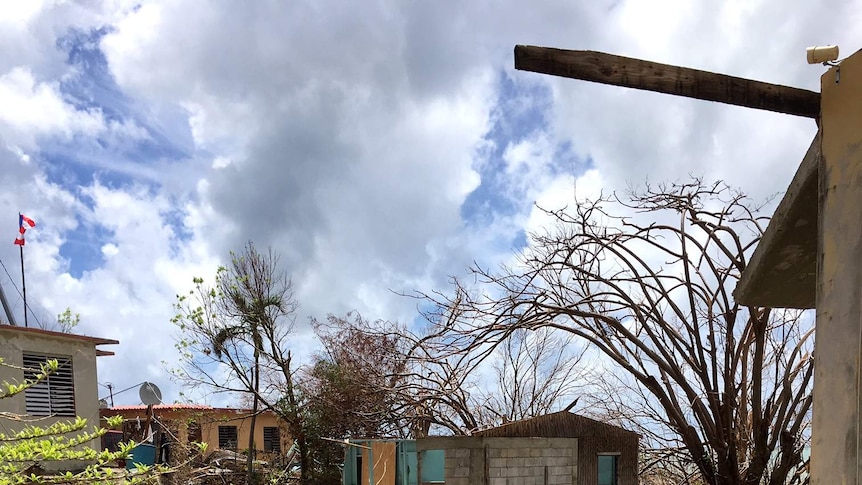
[[390, 381], [384, 381], [233, 337], [441, 392], [535, 373], [729, 385]]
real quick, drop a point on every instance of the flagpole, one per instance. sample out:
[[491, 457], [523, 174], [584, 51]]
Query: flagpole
[[23, 284]]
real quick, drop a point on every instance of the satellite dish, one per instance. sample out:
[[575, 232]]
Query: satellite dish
[[103, 404], [150, 393]]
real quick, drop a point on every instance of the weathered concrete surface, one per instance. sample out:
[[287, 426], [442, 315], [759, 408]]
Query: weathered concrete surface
[[836, 457], [504, 461], [782, 270], [81, 350]]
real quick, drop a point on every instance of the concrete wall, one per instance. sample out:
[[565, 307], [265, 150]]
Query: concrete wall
[[836, 436], [83, 354], [507, 461], [178, 419], [240, 419]]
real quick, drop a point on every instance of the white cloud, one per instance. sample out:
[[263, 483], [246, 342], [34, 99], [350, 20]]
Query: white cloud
[[17, 14], [110, 250], [348, 138], [129, 297], [31, 109]]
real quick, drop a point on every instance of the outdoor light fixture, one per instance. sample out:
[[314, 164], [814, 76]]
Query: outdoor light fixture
[[822, 54]]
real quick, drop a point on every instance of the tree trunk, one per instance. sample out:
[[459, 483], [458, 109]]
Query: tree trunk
[[249, 463]]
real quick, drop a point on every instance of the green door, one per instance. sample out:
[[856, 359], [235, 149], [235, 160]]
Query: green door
[[607, 470], [432, 466], [407, 463]]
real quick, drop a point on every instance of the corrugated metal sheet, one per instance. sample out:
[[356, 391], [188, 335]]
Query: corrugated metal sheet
[[561, 424]]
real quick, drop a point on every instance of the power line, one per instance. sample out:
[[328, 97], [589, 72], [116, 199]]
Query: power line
[[12, 280]]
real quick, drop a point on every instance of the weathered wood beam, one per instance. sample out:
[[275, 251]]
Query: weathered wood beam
[[663, 78]]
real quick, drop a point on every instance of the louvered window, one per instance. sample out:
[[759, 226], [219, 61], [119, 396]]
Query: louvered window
[[53, 396], [227, 437], [271, 439]]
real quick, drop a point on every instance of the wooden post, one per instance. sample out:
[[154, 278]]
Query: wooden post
[[663, 78], [836, 457]]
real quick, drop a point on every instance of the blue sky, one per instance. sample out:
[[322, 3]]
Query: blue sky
[[379, 148]]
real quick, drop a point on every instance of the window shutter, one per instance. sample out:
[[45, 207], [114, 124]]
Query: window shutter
[[227, 438], [54, 395], [271, 439]]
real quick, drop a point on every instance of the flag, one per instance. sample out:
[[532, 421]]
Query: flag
[[22, 220]]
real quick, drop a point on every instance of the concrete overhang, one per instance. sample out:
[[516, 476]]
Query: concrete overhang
[[782, 271], [94, 341]]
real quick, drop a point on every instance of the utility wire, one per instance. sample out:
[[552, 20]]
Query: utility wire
[[12, 280], [124, 390]]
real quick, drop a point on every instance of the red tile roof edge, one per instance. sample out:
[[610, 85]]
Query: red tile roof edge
[[141, 407], [202, 407]]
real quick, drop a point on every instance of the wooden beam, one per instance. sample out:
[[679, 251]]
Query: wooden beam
[[663, 78]]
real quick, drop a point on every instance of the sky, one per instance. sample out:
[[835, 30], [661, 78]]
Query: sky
[[380, 147]]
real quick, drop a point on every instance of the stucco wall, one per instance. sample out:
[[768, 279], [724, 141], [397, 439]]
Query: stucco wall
[[242, 421], [209, 420], [12, 346], [836, 435]]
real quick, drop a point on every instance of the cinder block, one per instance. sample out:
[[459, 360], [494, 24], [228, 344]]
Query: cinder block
[[511, 472], [462, 471], [537, 480], [458, 453], [528, 473], [559, 480]]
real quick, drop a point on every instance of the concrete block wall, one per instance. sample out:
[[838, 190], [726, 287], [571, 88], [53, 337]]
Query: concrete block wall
[[511, 461], [459, 463], [532, 464]]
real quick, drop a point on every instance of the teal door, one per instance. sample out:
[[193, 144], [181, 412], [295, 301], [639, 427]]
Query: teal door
[[432, 466], [408, 464]]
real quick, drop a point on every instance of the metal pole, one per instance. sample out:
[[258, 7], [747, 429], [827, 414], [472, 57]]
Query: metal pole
[[9, 316], [23, 284]]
